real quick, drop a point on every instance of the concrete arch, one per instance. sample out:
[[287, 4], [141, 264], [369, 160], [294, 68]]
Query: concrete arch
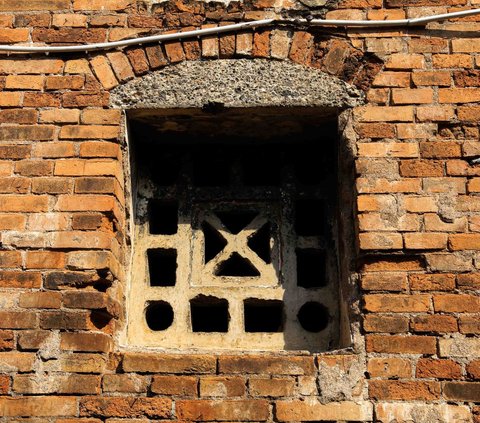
[[236, 83]]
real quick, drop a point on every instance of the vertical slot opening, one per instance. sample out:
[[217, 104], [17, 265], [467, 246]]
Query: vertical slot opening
[[309, 217], [163, 217], [311, 272]]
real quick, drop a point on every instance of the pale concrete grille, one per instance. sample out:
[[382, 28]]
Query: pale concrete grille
[[234, 245]]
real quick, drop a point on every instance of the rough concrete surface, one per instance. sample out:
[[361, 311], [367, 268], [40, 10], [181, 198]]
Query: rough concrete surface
[[236, 83]]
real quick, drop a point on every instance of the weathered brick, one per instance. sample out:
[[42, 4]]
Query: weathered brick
[[397, 303], [384, 114], [274, 387], [232, 410], [222, 386], [434, 324], [175, 385], [7, 340], [63, 320], [438, 369], [310, 410], [88, 132], [462, 391], [86, 342], [425, 241], [14, 279], [382, 323], [385, 281], [74, 82], [37, 406], [32, 339], [456, 303], [401, 344], [432, 282], [125, 407], [104, 72], [380, 241], [40, 300], [154, 363], [268, 365], [125, 383], [403, 390], [390, 367]]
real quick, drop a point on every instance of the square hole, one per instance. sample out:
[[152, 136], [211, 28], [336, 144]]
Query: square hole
[[162, 266], [309, 217], [209, 314], [263, 315]]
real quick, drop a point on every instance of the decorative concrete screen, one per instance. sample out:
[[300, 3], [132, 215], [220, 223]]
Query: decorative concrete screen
[[233, 237]]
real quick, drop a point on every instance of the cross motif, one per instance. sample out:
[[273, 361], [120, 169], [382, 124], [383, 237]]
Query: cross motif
[[263, 274]]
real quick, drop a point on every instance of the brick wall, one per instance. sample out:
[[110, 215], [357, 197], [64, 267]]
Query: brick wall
[[63, 220]]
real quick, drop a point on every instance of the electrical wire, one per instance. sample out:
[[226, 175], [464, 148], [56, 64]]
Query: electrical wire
[[198, 33]]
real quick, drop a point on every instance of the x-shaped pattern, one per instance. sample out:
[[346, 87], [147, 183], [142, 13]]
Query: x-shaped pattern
[[237, 243]]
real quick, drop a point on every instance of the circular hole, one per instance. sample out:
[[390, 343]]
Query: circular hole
[[313, 316], [159, 315]]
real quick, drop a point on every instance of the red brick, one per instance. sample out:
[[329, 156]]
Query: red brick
[[23, 116], [10, 259], [397, 303], [435, 78], [473, 369], [40, 300], [274, 387], [438, 369], [469, 281], [37, 406], [4, 384], [402, 390], [434, 324], [389, 367], [27, 133], [32, 99], [421, 168], [456, 303], [125, 383], [13, 279], [14, 185], [266, 365], [384, 323], [462, 391], [14, 151], [432, 282], [175, 385], [464, 242], [222, 386], [51, 185], [32, 66], [86, 342], [412, 96], [384, 281], [154, 363], [7, 340], [63, 320], [231, 410], [75, 82], [469, 324], [88, 132], [301, 47], [17, 320], [138, 60], [401, 344], [126, 407], [439, 150], [425, 241], [25, 82]]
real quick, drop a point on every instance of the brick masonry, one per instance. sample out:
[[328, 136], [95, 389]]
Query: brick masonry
[[416, 356]]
